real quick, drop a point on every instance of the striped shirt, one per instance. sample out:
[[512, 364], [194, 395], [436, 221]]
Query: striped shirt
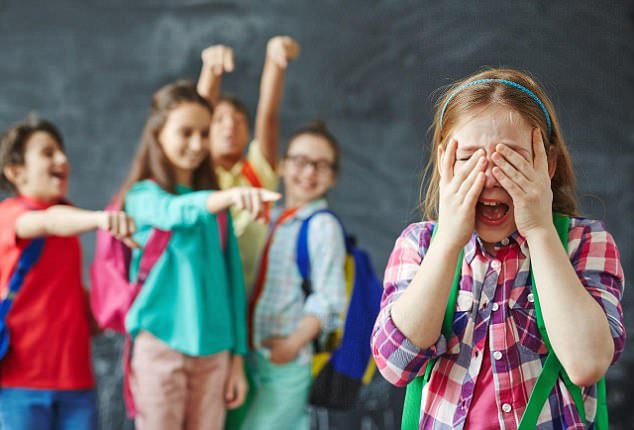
[[281, 305], [494, 299]]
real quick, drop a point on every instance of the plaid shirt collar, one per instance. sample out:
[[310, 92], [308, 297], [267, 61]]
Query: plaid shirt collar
[[476, 244]]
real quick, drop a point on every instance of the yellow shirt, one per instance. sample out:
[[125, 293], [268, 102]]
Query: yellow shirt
[[251, 235]]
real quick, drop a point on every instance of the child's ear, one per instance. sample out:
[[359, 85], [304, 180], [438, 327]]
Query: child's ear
[[13, 172]]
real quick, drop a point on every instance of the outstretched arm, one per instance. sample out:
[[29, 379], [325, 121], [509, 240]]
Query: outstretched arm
[[279, 51], [217, 60], [63, 220], [249, 199]]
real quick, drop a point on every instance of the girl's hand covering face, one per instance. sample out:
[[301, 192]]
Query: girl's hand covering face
[[527, 183], [460, 187]]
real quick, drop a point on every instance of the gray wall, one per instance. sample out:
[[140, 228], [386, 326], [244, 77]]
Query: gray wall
[[368, 69]]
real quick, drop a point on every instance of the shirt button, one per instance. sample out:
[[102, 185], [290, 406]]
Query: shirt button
[[495, 264], [497, 355], [506, 407], [495, 307], [505, 241], [530, 298]]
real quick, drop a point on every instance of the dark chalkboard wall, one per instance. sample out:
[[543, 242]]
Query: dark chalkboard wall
[[369, 69]]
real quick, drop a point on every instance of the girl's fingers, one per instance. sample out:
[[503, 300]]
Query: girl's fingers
[[512, 157], [511, 172], [541, 159], [241, 202], [130, 243], [131, 225], [473, 163], [474, 166], [113, 224], [510, 186], [269, 196], [449, 159], [228, 60], [122, 219], [475, 190], [439, 162], [256, 203]]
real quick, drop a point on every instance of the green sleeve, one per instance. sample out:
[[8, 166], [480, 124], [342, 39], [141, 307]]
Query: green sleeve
[[237, 290], [149, 204]]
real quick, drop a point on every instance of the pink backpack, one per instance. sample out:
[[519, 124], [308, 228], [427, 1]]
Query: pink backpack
[[112, 293]]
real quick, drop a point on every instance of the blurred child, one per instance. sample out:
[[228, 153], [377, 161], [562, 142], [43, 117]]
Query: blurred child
[[230, 135], [188, 321], [284, 321], [46, 379], [500, 170]]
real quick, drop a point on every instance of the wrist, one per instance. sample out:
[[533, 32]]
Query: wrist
[[448, 247], [295, 343], [103, 220], [237, 360], [538, 234]]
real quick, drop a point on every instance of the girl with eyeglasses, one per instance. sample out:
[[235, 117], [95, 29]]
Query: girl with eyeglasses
[[285, 322]]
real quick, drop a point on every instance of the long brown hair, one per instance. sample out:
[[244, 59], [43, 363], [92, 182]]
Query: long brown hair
[[150, 161], [472, 98]]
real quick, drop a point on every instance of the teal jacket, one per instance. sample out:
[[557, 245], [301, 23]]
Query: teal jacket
[[194, 298]]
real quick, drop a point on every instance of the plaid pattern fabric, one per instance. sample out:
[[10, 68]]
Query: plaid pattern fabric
[[494, 299], [281, 305]]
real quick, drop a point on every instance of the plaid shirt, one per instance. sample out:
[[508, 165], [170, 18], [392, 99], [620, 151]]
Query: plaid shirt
[[494, 299], [282, 304]]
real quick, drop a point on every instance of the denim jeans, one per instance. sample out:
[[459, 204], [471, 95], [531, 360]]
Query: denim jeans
[[26, 409]]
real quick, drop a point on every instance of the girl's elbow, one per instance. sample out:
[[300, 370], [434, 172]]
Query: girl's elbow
[[586, 377], [589, 370]]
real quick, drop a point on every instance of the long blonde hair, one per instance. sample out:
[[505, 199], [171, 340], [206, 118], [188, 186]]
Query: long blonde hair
[[454, 106]]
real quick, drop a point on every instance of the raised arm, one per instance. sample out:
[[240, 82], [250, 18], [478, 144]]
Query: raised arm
[[279, 51], [63, 220], [217, 60]]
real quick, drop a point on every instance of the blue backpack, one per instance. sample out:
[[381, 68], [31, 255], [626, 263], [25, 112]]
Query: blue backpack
[[346, 364]]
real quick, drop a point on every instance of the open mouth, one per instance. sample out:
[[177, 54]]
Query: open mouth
[[491, 212], [59, 175]]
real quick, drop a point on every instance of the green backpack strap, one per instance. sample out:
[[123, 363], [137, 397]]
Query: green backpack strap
[[552, 368], [414, 390]]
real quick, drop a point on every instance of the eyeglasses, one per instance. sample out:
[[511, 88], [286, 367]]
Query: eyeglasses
[[300, 162]]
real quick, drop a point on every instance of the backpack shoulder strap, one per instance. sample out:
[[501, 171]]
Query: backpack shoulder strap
[[561, 225], [302, 256], [223, 221], [249, 173], [553, 369], [29, 256], [154, 248]]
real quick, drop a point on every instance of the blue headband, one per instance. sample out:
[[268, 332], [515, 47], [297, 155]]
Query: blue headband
[[501, 81]]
